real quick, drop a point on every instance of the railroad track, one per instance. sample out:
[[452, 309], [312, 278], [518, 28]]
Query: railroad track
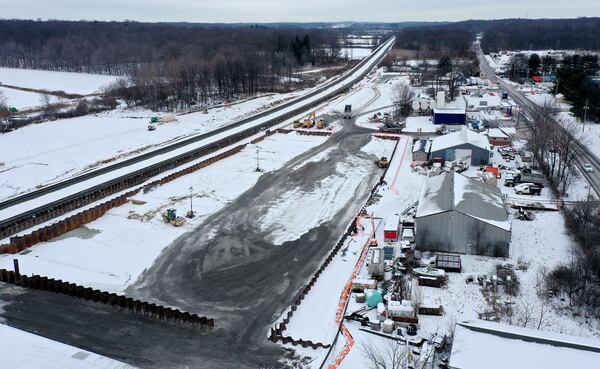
[[36, 207], [584, 155]]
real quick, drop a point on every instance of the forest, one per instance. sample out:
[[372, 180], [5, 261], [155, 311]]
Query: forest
[[539, 34], [436, 41], [169, 66]]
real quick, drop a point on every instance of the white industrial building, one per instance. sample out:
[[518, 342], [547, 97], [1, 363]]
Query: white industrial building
[[460, 145], [462, 215]]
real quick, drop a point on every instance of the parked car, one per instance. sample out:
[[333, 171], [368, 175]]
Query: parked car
[[510, 180], [528, 189], [588, 167]]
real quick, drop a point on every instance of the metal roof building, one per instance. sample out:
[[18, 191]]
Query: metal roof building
[[462, 215], [461, 144], [481, 344]]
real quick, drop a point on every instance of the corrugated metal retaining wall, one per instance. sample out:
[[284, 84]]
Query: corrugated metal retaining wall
[[277, 330], [20, 243], [152, 310]]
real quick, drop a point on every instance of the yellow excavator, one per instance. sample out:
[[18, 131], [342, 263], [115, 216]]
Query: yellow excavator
[[310, 121], [170, 216]]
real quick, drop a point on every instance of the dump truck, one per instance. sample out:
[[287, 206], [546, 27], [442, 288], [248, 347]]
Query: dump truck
[[382, 162], [170, 216]]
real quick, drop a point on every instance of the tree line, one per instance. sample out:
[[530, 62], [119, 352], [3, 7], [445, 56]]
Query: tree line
[[540, 34], [436, 41], [167, 66]]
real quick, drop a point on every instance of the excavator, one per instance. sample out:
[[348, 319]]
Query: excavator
[[310, 121], [170, 216]]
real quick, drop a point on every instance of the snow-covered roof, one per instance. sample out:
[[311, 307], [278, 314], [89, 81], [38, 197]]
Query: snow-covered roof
[[422, 145], [465, 136], [448, 111], [496, 133], [481, 344], [510, 131], [455, 192]]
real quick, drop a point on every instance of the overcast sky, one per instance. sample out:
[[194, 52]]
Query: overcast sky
[[295, 11]]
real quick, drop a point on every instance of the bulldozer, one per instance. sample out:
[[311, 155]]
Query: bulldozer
[[310, 121], [170, 216], [382, 162]]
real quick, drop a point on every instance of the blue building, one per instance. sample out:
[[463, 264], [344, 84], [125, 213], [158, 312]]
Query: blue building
[[449, 116]]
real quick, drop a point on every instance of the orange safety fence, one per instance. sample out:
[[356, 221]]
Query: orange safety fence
[[344, 300]]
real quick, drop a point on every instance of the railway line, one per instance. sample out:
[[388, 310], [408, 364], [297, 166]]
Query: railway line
[[39, 206], [584, 155]]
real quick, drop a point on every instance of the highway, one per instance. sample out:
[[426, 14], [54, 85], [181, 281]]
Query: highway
[[584, 155], [17, 214]]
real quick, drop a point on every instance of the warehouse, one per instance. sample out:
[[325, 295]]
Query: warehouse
[[462, 215], [461, 145], [481, 344], [449, 116]]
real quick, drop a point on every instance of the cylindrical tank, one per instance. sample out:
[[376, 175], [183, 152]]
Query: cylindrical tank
[[373, 297]]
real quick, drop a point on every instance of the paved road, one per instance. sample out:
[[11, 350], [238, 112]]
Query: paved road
[[226, 268], [584, 155]]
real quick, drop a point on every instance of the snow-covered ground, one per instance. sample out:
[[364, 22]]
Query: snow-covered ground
[[76, 83], [44, 153], [355, 53], [111, 252], [22, 350], [20, 99]]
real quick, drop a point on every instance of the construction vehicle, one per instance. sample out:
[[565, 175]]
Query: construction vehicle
[[348, 112], [297, 124], [309, 122], [390, 127], [382, 162], [170, 216], [360, 316], [321, 124]]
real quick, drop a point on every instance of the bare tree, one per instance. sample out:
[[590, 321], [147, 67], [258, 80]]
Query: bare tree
[[403, 96], [391, 355], [3, 101]]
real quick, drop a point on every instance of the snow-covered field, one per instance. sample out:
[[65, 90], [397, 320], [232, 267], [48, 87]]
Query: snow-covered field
[[43, 153], [355, 53], [22, 350], [20, 99], [111, 252], [76, 83]]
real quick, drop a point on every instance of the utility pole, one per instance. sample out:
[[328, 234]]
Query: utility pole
[[258, 168], [190, 213], [585, 110]]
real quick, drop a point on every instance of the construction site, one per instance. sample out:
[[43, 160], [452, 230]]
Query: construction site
[[323, 228]]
